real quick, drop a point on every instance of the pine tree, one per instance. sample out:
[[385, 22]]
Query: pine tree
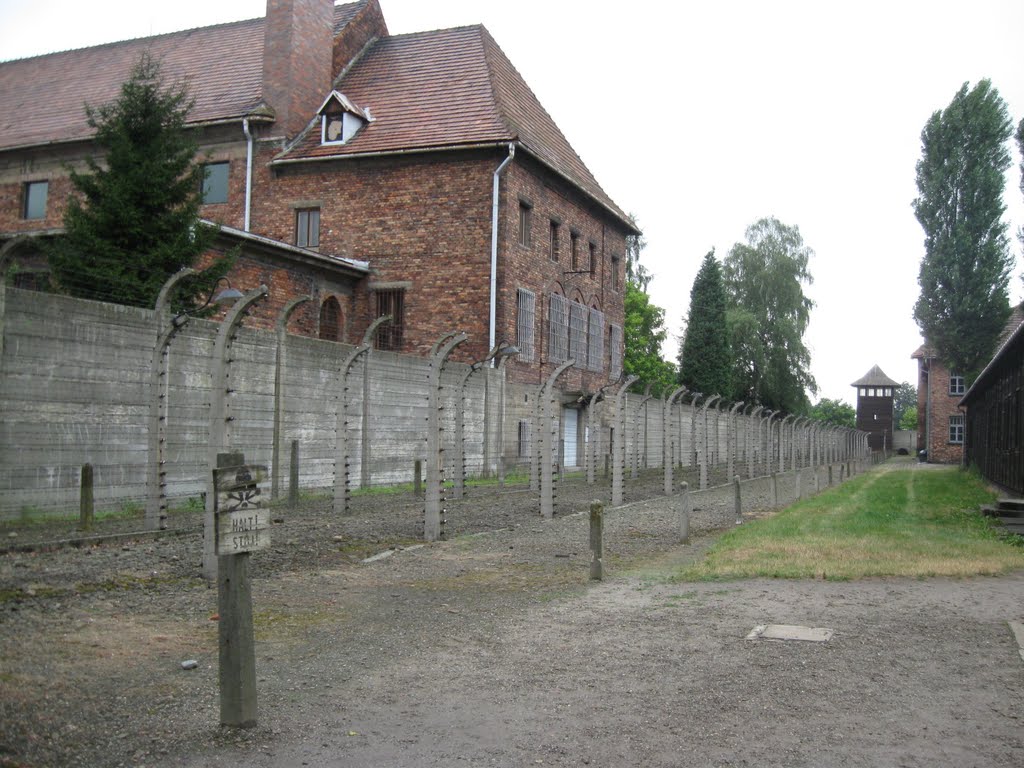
[[965, 272], [135, 219], [704, 355]]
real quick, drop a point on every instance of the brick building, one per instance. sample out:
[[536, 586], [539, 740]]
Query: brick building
[[414, 175], [940, 420], [875, 401]]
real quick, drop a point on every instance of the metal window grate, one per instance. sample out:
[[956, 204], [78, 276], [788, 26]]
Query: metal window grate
[[578, 334], [558, 328], [526, 302], [595, 355], [391, 302]]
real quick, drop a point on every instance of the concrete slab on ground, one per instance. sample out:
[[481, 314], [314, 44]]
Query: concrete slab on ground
[[791, 632]]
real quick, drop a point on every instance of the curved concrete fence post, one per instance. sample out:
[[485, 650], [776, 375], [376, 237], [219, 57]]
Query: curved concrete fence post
[[159, 373], [667, 458], [221, 418], [782, 442], [498, 355], [732, 439], [638, 452], [753, 435], [766, 456], [619, 460], [704, 446], [547, 479], [369, 339], [281, 333], [342, 454], [433, 520], [593, 434]]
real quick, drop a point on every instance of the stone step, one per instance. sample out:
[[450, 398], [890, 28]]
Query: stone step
[[1013, 525], [1008, 503]]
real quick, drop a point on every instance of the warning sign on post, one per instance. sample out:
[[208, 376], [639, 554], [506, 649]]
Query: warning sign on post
[[243, 525]]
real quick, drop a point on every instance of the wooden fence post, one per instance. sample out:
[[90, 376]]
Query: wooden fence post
[[684, 514], [596, 541], [86, 507]]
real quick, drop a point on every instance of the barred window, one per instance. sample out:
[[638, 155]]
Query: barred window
[[615, 344], [956, 428], [526, 322], [553, 242], [391, 302], [578, 334], [558, 328], [595, 356]]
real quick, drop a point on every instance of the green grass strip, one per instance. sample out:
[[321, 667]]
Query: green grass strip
[[897, 520]]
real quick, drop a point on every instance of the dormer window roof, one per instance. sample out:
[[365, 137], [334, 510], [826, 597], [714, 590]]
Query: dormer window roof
[[340, 119]]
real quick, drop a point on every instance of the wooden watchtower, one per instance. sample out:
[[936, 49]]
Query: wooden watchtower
[[875, 399]]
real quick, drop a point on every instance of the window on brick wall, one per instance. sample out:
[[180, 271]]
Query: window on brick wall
[[391, 302], [956, 428], [34, 200], [526, 324], [956, 384], [592, 258], [616, 279], [330, 320], [553, 240], [578, 318], [615, 351], [595, 335], [558, 328], [307, 227], [525, 211], [215, 183]]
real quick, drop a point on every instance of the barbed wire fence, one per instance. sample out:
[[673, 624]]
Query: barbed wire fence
[[144, 398]]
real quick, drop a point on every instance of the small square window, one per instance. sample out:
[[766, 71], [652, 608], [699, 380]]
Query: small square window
[[34, 205], [524, 223], [307, 228], [956, 384], [215, 183]]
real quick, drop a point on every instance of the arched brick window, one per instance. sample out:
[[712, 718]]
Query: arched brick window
[[331, 325]]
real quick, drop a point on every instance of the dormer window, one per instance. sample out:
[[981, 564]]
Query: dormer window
[[340, 119]]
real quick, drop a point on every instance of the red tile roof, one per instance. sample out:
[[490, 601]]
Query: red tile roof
[[446, 89], [223, 65]]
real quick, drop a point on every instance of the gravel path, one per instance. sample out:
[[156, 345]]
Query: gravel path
[[493, 648]]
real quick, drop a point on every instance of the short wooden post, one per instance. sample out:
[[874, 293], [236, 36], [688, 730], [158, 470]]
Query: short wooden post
[[842, 473], [293, 478], [738, 500], [775, 489], [417, 477], [684, 513], [596, 541], [86, 506], [798, 479], [829, 475], [237, 643]]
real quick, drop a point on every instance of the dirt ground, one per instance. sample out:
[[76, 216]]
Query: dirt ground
[[494, 648]]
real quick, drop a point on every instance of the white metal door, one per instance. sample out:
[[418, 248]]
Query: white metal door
[[570, 418]]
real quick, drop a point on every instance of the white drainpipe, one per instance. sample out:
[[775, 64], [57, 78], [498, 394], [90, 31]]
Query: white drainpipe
[[494, 246], [248, 172]]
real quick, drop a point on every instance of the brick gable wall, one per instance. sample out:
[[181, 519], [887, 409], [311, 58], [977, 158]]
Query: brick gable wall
[[943, 405]]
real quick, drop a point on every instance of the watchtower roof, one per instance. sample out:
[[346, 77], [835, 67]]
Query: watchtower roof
[[875, 378]]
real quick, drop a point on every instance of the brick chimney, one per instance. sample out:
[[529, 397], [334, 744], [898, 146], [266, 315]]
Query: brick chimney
[[297, 60]]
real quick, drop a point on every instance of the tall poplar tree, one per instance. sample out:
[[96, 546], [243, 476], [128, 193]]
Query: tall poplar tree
[[768, 314], [704, 354], [964, 276], [135, 218]]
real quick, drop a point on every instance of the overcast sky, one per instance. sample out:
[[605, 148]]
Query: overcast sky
[[702, 118]]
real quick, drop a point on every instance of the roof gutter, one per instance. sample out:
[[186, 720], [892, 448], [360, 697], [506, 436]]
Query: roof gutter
[[248, 172], [495, 188]]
